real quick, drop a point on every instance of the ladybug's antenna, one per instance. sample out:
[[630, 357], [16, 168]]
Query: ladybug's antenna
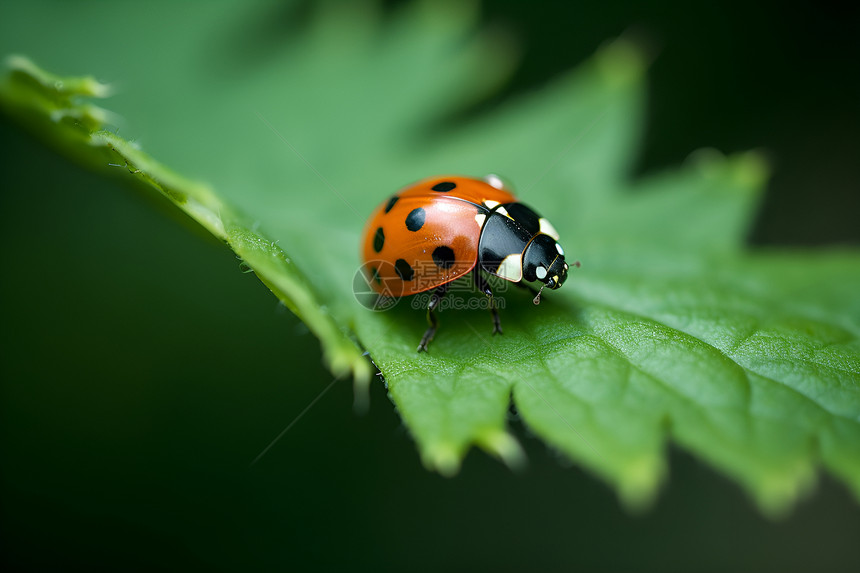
[[536, 299]]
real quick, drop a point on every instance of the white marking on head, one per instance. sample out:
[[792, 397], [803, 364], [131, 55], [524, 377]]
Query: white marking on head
[[547, 229], [503, 211], [540, 272], [494, 180], [480, 218], [511, 268], [490, 203], [559, 249]]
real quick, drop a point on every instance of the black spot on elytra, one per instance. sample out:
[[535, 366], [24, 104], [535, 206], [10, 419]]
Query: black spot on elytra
[[404, 270], [391, 203], [378, 240], [415, 219], [444, 186], [443, 257], [375, 276]]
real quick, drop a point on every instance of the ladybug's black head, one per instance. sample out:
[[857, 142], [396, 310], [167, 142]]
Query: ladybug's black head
[[543, 260]]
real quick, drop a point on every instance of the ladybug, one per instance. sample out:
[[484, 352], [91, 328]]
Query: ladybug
[[442, 228]]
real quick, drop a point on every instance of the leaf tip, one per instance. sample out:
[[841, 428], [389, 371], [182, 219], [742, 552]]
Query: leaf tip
[[361, 375], [621, 62], [451, 14], [752, 169], [776, 493], [749, 170], [443, 458], [505, 447], [72, 86], [640, 481]]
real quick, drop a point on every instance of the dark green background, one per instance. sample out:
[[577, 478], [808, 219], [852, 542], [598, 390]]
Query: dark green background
[[142, 371]]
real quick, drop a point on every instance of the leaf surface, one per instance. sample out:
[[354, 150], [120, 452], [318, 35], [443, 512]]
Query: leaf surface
[[671, 331]]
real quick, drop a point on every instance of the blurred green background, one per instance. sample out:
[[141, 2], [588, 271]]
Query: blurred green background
[[126, 441]]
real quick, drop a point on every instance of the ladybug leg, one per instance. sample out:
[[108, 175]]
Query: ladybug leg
[[435, 299], [484, 287]]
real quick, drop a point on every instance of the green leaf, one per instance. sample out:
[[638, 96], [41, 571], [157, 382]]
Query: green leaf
[[51, 105], [671, 331]]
